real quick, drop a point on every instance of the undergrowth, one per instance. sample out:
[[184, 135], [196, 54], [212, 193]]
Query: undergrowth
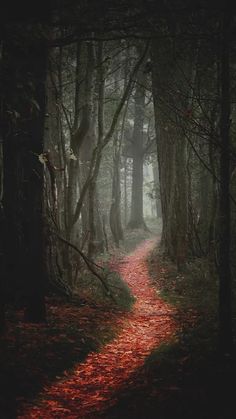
[[116, 294], [198, 381], [184, 378]]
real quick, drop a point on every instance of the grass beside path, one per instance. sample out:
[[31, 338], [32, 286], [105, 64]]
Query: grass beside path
[[184, 379]]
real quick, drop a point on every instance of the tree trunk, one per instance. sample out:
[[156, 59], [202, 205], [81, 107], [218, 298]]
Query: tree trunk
[[2, 280], [156, 188], [125, 192], [115, 209], [34, 180], [23, 176], [181, 201], [172, 159], [115, 213], [225, 315], [136, 216]]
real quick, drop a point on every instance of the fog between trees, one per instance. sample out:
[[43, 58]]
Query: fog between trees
[[109, 119]]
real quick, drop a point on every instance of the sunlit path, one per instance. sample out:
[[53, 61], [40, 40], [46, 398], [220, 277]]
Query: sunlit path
[[93, 385]]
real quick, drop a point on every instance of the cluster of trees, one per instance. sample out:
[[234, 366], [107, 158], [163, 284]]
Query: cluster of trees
[[89, 94], [194, 115]]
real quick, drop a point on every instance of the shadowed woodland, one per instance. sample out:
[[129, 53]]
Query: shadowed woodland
[[117, 209]]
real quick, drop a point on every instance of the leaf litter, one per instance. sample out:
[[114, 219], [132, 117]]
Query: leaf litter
[[91, 387]]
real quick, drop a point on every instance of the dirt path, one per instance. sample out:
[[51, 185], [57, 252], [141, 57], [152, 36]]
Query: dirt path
[[93, 385]]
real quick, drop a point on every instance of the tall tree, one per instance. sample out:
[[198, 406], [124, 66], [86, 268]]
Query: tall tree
[[24, 105], [225, 314], [136, 216], [171, 149]]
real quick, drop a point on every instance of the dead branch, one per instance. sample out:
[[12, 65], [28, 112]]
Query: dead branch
[[87, 261]]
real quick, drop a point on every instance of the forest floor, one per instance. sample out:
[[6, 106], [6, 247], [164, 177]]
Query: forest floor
[[156, 361]]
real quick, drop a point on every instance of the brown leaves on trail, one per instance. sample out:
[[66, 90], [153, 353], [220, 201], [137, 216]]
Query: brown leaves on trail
[[92, 385]]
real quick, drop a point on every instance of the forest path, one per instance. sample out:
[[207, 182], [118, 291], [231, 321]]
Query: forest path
[[94, 384]]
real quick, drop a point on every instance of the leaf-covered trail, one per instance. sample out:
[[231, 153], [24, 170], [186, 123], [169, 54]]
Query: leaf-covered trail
[[93, 385]]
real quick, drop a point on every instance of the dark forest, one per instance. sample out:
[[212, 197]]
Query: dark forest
[[118, 209]]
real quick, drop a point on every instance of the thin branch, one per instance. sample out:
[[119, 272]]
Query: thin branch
[[206, 166], [98, 149], [125, 96], [87, 261]]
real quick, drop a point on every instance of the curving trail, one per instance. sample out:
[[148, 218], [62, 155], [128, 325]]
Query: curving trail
[[93, 385]]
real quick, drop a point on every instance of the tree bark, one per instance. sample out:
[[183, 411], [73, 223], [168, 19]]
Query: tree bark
[[156, 188], [23, 175], [115, 213], [225, 315], [172, 156], [136, 216], [2, 280]]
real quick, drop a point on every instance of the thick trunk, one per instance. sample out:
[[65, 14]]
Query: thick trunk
[[33, 178], [91, 220], [125, 191], [166, 164], [157, 188], [23, 178], [85, 160], [181, 201], [115, 212], [172, 160], [225, 315], [2, 281], [83, 138], [96, 243], [136, 216], [85, 96]]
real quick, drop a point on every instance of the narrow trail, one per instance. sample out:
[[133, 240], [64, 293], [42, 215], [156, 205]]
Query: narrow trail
[[93, 385]]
